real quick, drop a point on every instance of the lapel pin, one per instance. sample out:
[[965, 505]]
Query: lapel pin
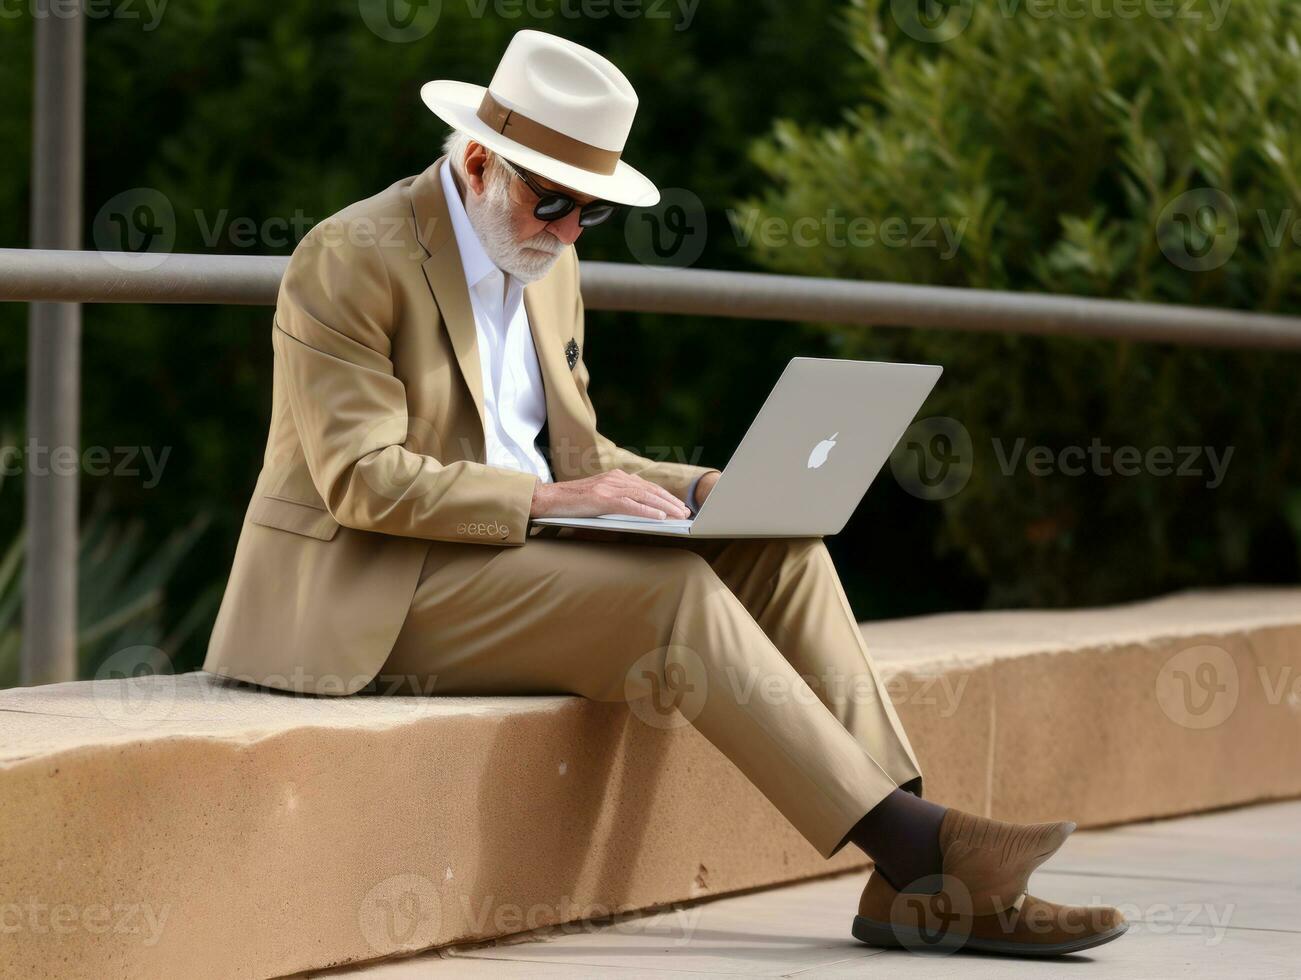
[[571, 353]]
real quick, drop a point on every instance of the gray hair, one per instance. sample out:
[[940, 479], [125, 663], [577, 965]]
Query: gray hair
[[456, 143]]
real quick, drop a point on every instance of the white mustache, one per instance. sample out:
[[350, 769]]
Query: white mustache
[[545, 242]]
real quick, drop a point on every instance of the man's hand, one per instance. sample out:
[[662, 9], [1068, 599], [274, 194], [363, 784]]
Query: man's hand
[[612, 492], [705, 485]]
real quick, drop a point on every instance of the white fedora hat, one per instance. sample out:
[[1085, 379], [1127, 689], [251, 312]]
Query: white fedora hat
[[556, 109]]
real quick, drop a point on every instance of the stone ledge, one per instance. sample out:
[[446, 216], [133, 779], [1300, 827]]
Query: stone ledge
[[212, 830]]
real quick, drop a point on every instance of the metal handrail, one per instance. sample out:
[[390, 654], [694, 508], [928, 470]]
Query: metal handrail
[[123, 277]]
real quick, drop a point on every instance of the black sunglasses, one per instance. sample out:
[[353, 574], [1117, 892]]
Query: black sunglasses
[[552, 205]]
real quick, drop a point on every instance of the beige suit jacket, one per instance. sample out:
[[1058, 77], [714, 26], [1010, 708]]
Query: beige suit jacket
[[376, 443]]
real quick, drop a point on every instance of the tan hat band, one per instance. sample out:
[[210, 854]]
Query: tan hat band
[[544, 139]]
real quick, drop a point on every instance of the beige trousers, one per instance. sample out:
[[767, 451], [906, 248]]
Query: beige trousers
[[750, 640]]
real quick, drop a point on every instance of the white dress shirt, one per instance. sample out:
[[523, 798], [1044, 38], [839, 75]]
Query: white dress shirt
[[514, 400]]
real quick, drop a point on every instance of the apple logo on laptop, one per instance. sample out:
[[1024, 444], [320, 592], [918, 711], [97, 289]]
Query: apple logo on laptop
[[820, 451]]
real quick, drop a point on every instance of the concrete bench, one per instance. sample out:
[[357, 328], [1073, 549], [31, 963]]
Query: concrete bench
[[186, 826]]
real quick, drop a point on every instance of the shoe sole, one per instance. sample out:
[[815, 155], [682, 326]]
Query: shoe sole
[[884, 935]]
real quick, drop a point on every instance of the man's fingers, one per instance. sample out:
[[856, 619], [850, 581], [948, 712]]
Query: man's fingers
[[653, 497], [638, 508], [665, 501], [670, 503]]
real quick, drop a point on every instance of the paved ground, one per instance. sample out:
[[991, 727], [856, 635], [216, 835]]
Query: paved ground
[[1212, 896]]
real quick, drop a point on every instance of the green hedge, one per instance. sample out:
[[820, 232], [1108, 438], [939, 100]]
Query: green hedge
[[1150, 157]]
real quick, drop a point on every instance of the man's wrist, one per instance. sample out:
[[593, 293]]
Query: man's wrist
[[691, 499]]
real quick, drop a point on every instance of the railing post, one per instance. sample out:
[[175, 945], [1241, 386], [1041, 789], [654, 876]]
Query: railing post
[[52, 459]]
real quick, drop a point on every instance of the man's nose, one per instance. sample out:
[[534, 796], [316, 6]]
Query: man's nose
[[567, 229]]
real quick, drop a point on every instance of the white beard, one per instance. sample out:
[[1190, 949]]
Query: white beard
[[489, 214]]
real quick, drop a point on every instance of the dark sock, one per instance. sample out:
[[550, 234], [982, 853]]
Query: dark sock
[[901, 834]]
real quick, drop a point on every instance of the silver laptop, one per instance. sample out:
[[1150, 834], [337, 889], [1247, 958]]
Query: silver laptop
[[823, 434]]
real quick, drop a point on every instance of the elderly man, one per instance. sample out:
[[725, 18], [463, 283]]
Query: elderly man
[[430, 397]]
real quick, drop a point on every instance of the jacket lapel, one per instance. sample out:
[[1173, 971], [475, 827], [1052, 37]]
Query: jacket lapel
[[550, 330], [446, 277]]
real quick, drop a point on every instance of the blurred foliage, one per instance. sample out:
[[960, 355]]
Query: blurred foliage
[[1097, 156], [1039, 135], [122, 590]]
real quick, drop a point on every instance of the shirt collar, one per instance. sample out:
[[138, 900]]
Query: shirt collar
[[474, 260]]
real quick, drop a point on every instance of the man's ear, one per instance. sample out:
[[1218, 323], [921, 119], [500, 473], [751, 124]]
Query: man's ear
[[476, 165]]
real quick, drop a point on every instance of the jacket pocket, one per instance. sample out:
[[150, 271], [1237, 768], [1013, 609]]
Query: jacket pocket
[[290, 515]]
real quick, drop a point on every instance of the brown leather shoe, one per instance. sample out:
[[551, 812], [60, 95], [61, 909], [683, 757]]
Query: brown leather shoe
[[993, 859], [979, 901], [936, 923]]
